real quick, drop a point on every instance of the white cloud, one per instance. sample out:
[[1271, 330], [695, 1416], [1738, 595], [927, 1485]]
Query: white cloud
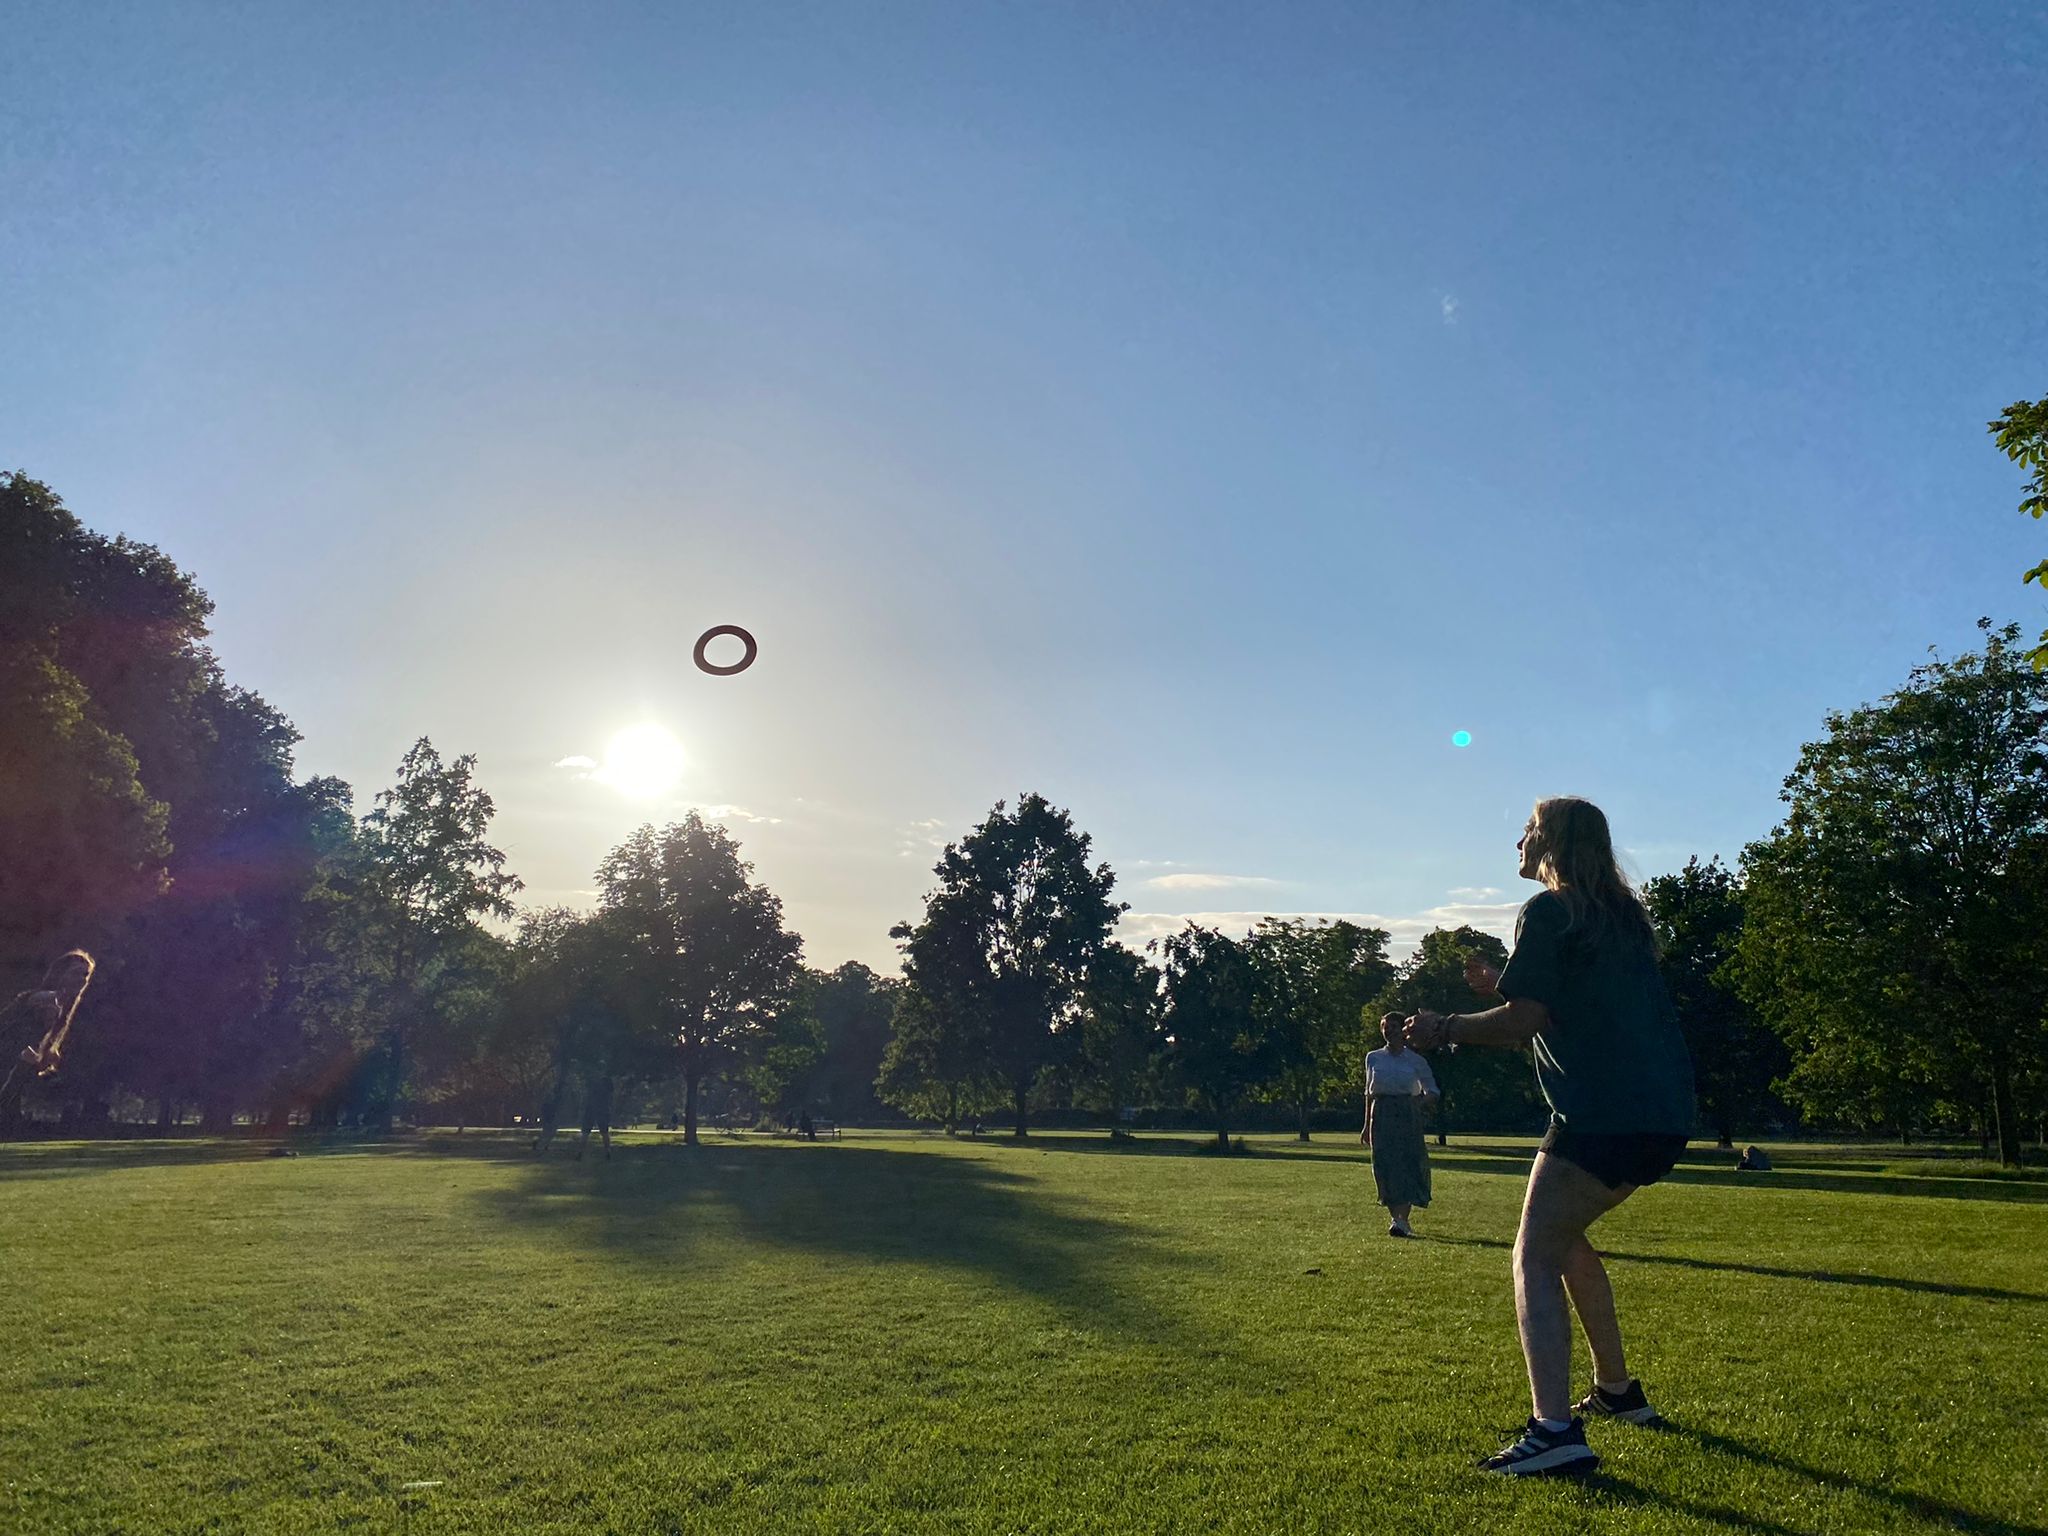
[[1199, 882], [1449, 305], [584, 763], [1474, 892], [1404, 933], [736, 813]]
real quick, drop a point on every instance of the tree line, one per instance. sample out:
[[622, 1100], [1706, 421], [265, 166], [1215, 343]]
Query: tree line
[[269, 953]]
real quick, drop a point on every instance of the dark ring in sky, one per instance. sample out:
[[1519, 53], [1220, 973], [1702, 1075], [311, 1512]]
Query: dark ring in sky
[[741, 665]]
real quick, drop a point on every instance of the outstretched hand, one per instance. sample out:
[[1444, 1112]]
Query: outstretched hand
[[1423, 1031], [1481, 977]]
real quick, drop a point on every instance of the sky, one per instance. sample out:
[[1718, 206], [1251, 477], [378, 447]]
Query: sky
[[1193, 413]]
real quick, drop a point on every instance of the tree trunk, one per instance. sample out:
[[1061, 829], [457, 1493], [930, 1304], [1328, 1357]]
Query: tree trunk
[[1021, 1094], [689, 1109], [163, 1117], [1222, 1138], [1301, 1113], [2007, 1114]]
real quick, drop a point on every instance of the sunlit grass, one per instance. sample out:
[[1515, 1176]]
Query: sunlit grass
[[898, 1333]]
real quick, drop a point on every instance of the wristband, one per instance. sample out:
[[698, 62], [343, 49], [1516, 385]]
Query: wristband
[[1449, 1018]]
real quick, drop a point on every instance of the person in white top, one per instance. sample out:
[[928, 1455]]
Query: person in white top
[[1398, 1086]]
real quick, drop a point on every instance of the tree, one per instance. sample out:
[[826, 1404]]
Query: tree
[[1698, 916], [708, 961], [1010, 933], [1897, 920], [2021, 432], [1221, 1041], [428, 875], [1481, 1088], [1117, 1034], [853, 1007], [936, 1065], [1316, 977]]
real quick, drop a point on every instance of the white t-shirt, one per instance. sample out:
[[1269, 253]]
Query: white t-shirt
[[1407, 1073]]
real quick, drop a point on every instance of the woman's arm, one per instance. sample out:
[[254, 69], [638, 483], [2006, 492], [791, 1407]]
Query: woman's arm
[[1515, 1022]]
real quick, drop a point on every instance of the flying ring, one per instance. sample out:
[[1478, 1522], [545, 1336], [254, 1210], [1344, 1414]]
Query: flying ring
[[741, 635]]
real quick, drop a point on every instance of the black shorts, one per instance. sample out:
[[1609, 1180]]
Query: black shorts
[[1631, 1157]]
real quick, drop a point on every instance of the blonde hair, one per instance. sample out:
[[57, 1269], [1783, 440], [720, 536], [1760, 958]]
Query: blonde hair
[[1575, 859]]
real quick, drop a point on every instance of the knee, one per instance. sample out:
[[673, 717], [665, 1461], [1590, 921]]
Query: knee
[[1538, 1254]]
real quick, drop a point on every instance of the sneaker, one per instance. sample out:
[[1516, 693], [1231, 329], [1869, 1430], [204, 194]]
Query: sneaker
[[1631, 1407], [1545, 1453], [1399, 1229]]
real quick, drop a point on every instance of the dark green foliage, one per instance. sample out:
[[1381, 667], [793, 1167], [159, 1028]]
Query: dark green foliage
[[1316, 978], [705, 962], [1483, 1089], [1735, 1057], [1896, 921], [1222, 1037], [1006, 944], [2021, 432]]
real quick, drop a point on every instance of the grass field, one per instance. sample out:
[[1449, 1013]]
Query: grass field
[[898, 1333]]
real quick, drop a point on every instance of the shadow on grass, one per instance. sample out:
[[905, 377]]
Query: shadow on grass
[[864, 1205], [72, 1159], [1917, 1506], [1822, 1276]]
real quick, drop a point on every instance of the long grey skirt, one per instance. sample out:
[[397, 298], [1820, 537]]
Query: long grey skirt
[[1400, 1162]]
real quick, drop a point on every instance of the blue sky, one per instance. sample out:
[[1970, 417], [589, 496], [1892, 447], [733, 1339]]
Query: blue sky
[[1193, 413]]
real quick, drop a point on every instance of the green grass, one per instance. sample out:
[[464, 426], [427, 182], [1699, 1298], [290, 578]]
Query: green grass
[[897, 1333]]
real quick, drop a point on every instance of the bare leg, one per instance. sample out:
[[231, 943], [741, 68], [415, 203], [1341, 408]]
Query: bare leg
[[1399, 1212], [1585, 1281], [1563, 1200]]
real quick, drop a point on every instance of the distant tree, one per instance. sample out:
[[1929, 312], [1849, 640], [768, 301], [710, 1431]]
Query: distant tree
[[853, 1007], [1117, 1032], [1489, 1090], [1221, 1040], [936, 1065], [1316, 976], [1896, 922], [1735, 1057], [428, 875], [710, 963], [2021, 432], [1010, 933]]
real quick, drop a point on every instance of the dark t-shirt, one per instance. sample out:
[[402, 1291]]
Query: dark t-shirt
[[1611, 1060]]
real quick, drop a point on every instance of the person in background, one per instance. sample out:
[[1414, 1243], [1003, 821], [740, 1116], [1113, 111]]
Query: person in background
[[33, 1027], [1398, 1085]]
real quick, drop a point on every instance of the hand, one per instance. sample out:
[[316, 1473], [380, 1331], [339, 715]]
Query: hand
[[1481, 977], [52, 1059], [1423, 1031]]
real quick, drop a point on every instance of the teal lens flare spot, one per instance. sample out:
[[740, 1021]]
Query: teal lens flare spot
[[1461, 738]]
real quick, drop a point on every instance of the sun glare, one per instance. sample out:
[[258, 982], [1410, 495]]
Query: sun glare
[[642, 761]]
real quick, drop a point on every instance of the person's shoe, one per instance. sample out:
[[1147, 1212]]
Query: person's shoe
[[1545, 1453], [1631, 1407], [1398, 1229]]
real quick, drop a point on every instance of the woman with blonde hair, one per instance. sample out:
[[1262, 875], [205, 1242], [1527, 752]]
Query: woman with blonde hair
[[1583, 987]]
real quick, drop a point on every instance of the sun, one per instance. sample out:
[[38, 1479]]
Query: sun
[[642, 761]]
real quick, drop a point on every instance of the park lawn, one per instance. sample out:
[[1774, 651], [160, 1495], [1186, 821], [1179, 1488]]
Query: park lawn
[[902, 1333]]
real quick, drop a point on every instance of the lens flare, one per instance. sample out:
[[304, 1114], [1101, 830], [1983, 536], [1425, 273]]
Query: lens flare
[[1461, 738]]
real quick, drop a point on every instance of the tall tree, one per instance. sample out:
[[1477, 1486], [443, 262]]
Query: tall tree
[[1317, 976], [429, 874], [1735, 1057], [1903, 901], [709, 960], [1118, 1036], [2021, 432], [1010, 932], [1482, 1090], [1220, 1036]]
